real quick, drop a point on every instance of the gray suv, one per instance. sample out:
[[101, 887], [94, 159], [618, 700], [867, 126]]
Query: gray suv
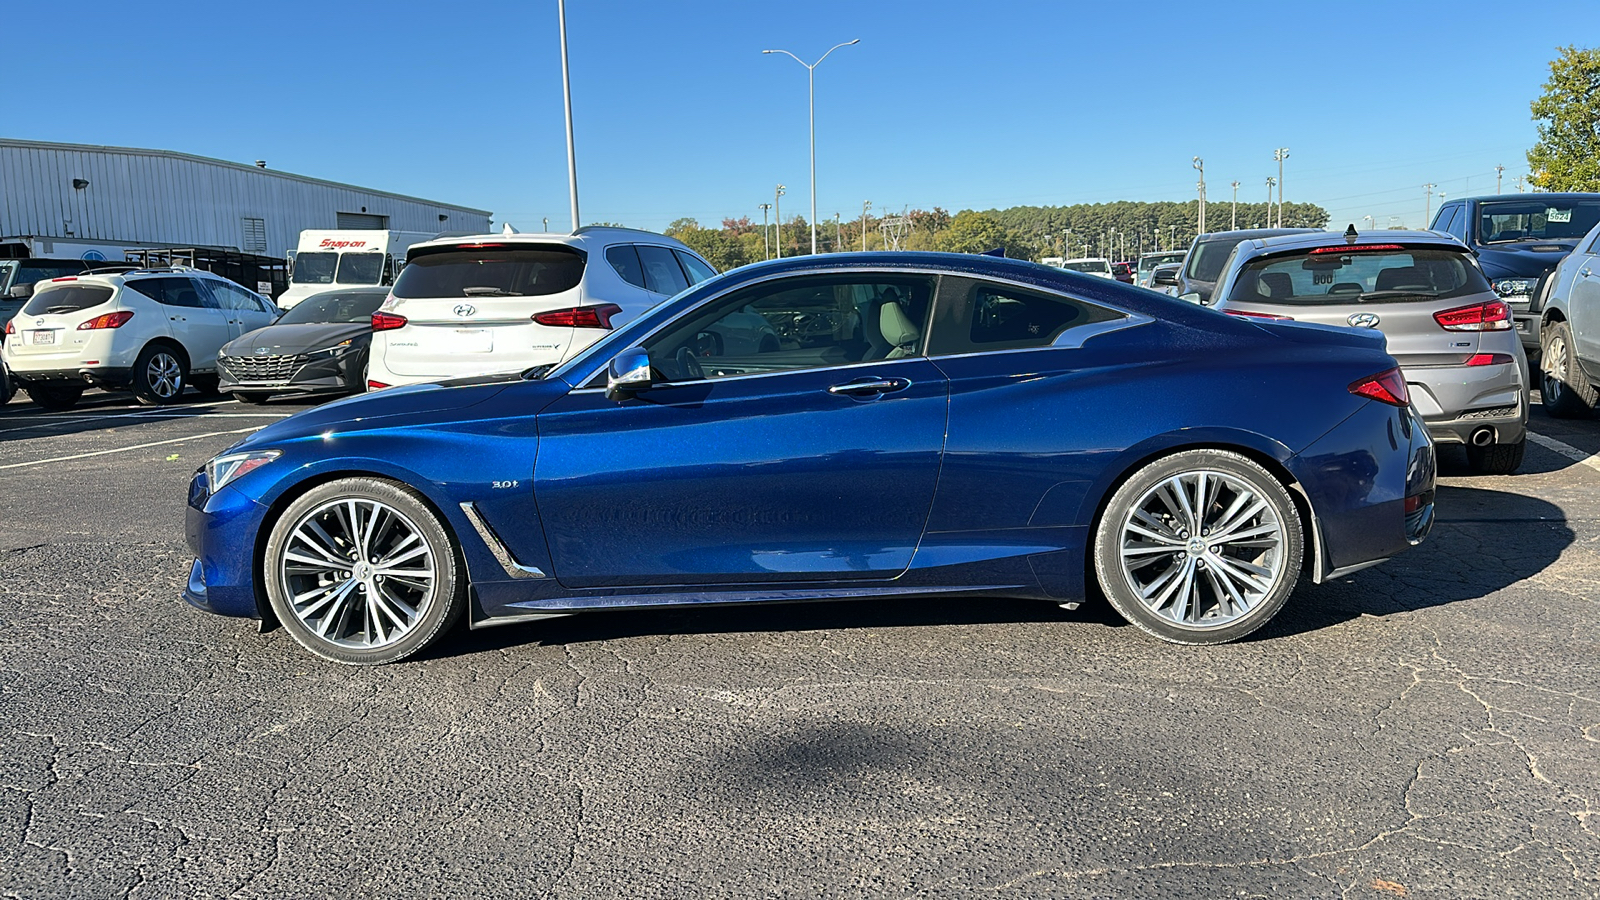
[[1570, 332], [1450, 331]]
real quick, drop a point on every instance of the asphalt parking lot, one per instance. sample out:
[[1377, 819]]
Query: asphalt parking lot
[[1427, 728]]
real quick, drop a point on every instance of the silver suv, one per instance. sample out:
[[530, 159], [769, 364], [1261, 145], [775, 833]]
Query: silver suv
[[1452, 334]]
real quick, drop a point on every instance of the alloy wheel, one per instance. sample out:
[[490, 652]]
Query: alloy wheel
[[1555, 366], [164, 375], [358, 573], [1202, 549]]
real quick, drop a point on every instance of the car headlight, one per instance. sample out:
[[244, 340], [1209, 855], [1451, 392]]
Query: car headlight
[[1513, 287], [230, 466], [335, 350]]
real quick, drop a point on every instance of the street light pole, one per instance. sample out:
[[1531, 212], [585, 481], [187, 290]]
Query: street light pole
[[811, 77], [777, 220], [1427, 214], [838, 235], [1200, 165], [566, 89], [1374, 223], [1233, 217], [1271, 183], [865, 205], [766, 247], [1498, 171], [1281, 154]]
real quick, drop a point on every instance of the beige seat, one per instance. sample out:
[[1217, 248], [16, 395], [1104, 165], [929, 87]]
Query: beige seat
[[898, 331]]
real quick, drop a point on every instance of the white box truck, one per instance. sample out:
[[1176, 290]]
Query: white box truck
[[329, 259]]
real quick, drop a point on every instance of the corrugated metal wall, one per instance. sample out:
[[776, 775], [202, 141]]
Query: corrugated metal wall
[[156, 197]]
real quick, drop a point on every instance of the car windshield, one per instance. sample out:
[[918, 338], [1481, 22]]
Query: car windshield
[[360, 268], [491, 272], [1207, 257], [1532, 219], [1338, 275], [315, 268], [334, 306], [1148, 263], [1086, 265]]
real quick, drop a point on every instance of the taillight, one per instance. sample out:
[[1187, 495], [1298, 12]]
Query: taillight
[[1490, 359], [11, 327], [375, 385], [1385, 387], [1490, 315], [1342, 249], [66, 278], [383, 321], [109, 320], [579, 316], [1246, 314]]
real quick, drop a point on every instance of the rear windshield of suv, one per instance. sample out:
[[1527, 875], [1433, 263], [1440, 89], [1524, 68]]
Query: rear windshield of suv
[[1086, 265], [1339, 275], [490, 272], [56, 299], [1506, 221]]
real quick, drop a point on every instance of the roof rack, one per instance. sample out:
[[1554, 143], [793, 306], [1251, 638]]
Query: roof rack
[[110, 269]]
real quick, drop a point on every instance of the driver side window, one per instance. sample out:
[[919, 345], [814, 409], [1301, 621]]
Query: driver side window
[[809, 323]]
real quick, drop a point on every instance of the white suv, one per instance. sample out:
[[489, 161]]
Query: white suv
[[506, 302], [152, 331]]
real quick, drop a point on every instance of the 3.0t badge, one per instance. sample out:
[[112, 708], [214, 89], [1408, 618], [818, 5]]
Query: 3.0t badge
[[1363, 320]]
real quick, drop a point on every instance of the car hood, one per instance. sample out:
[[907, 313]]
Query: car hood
[[1524, 259], [288, 340]]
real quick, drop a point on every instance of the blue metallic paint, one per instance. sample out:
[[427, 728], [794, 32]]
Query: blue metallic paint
[[984, 477]]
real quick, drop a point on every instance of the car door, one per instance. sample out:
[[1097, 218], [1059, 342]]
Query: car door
[[814, 460], [194, 316], [1583, 300]]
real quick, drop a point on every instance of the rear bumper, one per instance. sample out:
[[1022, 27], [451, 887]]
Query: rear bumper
[[1456, 402], [115, 377]]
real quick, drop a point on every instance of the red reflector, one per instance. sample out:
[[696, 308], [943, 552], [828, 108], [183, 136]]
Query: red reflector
[[376, 385], [1245, 314], [1413, 504], [1490, 359], [382, 321], [109, 320], [1491, 315], [1385, 387], [1357, 248], [579, 316]]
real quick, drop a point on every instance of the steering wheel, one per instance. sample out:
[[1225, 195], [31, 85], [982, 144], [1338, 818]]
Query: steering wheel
[[688, 365]]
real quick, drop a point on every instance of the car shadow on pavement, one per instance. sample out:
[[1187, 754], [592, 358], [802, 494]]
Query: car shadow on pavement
[[22, 421]]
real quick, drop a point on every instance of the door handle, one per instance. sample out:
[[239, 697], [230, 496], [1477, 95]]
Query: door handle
[[871, 386]]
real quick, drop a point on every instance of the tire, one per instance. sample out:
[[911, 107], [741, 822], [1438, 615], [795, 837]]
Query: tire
[[55, 399], [338, 622], [159, 375], [1563, 388], [1216, 598], [205, 384], [8, 388], [246, 397], [1497, 459]]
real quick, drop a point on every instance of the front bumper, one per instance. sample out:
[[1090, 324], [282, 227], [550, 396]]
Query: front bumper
[[330, 375], [221, 529]]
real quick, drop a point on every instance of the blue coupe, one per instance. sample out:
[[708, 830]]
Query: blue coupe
[[925, 425]]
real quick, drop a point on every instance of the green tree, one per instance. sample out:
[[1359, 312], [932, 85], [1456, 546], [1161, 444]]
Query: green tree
[[679, 227], [976, 232], [1567, 156]]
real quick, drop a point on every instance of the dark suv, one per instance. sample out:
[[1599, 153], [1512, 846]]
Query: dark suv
[[1206, 256], [1520, 239]]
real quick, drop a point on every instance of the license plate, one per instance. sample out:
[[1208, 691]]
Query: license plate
[[472, 340], [44, 337]]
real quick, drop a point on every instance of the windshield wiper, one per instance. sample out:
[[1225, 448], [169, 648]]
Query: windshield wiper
[[1390, 295], [61, 309], [488, 292]]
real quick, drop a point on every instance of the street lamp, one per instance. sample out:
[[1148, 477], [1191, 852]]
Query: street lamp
[[777, 220], [1280, 154], [1427, 210], [766, 247], [865, 205], [811, 75], [1498, 171], [566, 89], [1233, 216], [1200, 165], [1373, 223]]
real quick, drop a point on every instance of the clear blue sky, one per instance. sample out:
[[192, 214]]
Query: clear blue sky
[[960, 105]]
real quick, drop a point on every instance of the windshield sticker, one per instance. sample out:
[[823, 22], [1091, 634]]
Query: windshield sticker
[[1552, 214]]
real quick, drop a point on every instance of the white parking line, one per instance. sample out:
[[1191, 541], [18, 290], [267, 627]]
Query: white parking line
[[192, 437], [53, 421], [1567, 450]]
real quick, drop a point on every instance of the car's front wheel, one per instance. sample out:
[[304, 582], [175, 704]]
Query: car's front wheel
[[1200, 547], [1564, 389], [361, 571], [159, 375]]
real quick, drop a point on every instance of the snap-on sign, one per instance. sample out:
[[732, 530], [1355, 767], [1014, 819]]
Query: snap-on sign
[[330, 244]]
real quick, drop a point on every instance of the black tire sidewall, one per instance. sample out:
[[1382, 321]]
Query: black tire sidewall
[[1107, 537], [442, 612]]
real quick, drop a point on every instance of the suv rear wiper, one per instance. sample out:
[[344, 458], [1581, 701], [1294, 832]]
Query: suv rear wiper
[[56, 310], [1389, 295], [488, 292]]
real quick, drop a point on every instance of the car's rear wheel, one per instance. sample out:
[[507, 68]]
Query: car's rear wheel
[[8, 388], [159, 375], [1497, 459], [52, 398], [1563, 388], [361, 571], [1200, 547]]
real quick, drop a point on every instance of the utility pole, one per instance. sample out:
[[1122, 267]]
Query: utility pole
[[1271, 183], [838, 235], [777, 220], [1233, 217], [1069, 243], [1519, 184], [1172, 240], [566, 89], [1427, 215], [1281, 154], [1200, 165], [766, 247], [865, 205], [1498, 170]]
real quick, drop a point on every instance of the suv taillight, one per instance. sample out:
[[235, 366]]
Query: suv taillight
[[1490, 315], [11, 326], [579, 316], [382, 321], [1385, 387], [109, 320]]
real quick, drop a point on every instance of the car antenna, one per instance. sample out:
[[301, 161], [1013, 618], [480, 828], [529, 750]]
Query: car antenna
[[1350, 234]]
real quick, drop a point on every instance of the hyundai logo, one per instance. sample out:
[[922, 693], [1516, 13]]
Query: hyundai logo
[[263, 350], [1363, 320], [465, 309]]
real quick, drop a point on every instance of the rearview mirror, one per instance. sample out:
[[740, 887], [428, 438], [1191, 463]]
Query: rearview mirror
[[1169, 279], [628, 374], [21, 292]]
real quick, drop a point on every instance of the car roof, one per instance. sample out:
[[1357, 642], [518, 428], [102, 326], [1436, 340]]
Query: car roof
[[588, 238], [1283, 242], [1242, 234], [1536, 196]]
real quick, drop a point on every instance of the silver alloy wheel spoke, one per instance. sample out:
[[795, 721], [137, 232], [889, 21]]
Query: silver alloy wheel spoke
[[1202, 549], [358, 572]]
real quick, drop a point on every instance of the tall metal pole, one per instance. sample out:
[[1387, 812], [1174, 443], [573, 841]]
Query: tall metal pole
[[1281, 154], [1498, 171], [766, 247], [838, 234], [1200, 165], [1427, 214], [566, 88], [811, 77], [865, 205], [1271, 183], [777, 220], [1233, 216]]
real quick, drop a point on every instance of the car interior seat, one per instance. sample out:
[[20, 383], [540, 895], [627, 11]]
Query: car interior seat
[[1276, 285], [878, 346], [898, 330], [1404, 278]]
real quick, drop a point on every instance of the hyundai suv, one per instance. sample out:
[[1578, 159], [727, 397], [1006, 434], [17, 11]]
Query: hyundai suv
[[508, 302], [151, 331]]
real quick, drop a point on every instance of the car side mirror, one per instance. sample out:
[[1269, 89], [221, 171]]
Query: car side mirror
[[1192, 297], [628, 374], [21, 292], [1169, 279]]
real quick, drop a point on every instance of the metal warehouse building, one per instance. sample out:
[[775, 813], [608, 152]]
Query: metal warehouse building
[[81, 200]]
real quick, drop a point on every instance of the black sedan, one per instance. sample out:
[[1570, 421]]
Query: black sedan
[[318, 347]]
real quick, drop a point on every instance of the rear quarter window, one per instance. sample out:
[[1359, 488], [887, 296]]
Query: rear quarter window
[[57, 299], [491, 272], [977, 316]]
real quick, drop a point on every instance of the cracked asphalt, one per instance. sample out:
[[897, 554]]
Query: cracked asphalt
[[1427, 728]]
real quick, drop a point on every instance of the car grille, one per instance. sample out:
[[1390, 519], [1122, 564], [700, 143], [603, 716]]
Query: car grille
[[261, 368], [1497, 412]]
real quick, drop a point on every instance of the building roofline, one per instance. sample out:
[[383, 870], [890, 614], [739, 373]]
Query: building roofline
[[190, 157]]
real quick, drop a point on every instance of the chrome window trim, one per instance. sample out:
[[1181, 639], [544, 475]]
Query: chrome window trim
[[1131, 319]]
